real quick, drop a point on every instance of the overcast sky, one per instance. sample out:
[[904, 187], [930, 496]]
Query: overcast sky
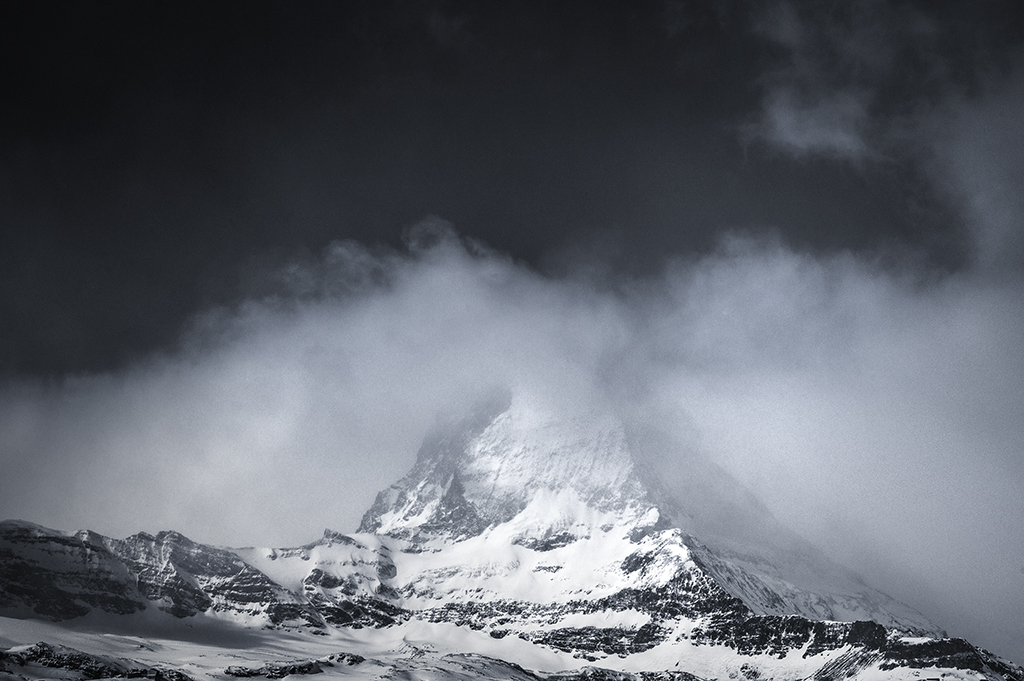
[[251, 250]]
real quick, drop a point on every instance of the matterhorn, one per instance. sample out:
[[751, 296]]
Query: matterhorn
[[527, 542]]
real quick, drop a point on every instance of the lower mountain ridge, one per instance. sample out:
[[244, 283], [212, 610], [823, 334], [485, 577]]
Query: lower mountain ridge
[[520, 545]]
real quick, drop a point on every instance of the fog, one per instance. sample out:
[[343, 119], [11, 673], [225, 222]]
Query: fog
[[877, 411]]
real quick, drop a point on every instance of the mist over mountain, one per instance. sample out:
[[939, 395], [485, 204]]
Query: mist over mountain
[[257, 251], [864, 407], [523, 536]]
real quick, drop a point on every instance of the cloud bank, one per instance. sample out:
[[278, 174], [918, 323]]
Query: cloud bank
[[879, 412]]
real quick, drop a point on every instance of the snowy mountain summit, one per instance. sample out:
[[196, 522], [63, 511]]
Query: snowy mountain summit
[[514, 476], [575, 546], [511, 462]]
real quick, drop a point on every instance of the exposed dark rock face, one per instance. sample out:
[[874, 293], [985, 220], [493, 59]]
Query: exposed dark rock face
[[549, 543], [194, 578], [953, 653], [777, 636], [280, 670], [61, 577], [596, 674], [435, 477], [90, 666], [613, 641], [358, 612], [276, 671], [847, 665], [78, 665], [690, 593], [455, 517]]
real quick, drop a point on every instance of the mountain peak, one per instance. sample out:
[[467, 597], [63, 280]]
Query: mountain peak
[[538, 534], [487, 468], [516, 469]]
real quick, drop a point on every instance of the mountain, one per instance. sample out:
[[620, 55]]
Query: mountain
[[524, 538], [515, 474]]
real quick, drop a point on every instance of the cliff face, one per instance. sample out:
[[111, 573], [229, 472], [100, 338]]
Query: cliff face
[[57, 576], [526, 529]]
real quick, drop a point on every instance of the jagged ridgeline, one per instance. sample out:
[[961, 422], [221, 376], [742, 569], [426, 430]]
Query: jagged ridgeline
[[523, 543]]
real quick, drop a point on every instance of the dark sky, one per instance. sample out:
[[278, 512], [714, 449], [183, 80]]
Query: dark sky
[[249, 249], [155, 159]]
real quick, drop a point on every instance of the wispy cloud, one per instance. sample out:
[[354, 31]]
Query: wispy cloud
[[888, 83], [978, 155]]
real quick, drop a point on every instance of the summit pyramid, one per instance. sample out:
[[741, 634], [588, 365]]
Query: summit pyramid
[[516, 475]]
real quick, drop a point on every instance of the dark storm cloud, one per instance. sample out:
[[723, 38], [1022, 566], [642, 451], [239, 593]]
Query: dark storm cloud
[[883, 83], [978, 154], [155, 159]]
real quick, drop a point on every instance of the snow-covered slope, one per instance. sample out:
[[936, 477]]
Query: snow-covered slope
[[520, 537], [515, 475], [489, 468]]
